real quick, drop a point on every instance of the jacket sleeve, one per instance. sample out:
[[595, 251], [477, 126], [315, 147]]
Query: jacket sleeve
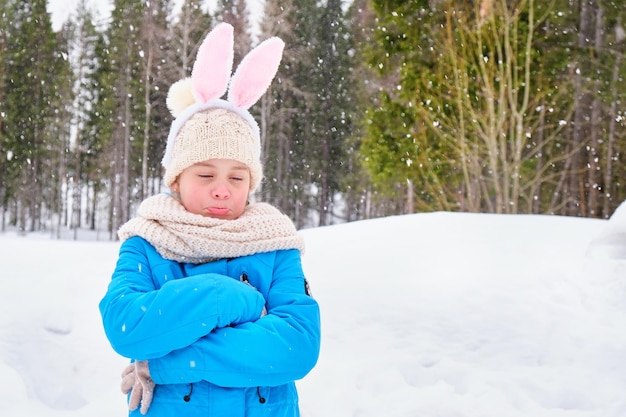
[[280, 347], [143, 322]]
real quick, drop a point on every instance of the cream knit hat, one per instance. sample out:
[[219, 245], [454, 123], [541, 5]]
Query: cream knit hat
[[208, 127], [215, 134]]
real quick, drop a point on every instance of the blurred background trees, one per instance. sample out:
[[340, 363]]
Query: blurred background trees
[[378, 108]]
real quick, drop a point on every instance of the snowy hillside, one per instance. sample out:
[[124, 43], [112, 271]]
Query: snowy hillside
[[439, 314]]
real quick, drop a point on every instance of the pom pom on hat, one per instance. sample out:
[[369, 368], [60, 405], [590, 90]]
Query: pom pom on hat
[[208, 127], [180, 96]]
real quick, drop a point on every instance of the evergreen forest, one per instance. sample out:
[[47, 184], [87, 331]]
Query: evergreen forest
[[378, 108]]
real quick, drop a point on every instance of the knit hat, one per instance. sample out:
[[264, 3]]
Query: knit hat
[[208, 127]]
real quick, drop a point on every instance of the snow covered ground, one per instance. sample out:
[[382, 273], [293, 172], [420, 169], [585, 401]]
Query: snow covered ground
[[425, 315]]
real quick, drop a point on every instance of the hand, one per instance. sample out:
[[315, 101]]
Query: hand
[[136, 379]]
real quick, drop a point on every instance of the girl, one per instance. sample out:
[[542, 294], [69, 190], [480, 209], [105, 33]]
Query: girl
[[208, 298]]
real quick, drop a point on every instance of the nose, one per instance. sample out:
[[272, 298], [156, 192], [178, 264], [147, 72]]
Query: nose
[[220, 191]]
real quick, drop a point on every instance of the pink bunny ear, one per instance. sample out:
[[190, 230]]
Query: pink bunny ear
[[214, 63], [255, 73]]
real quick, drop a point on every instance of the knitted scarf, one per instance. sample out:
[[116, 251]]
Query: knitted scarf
[[186, 237]]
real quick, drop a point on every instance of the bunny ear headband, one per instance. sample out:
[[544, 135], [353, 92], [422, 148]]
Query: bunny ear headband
[[211, 78]]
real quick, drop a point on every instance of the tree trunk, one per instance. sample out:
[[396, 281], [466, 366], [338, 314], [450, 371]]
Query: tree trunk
[[610, 145], [576, 201]]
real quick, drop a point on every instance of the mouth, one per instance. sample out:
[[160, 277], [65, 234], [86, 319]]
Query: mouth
[[217, 211]]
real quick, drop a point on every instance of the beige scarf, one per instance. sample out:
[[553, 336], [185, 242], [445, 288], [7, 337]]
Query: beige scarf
[[186, 237]]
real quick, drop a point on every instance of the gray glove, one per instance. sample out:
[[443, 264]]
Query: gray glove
[[136, 380]]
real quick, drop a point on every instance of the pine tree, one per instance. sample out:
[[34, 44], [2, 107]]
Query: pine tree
[[361, 198], [80, 35], [4, 172], [394, 149], [127, 94], [285, 127], [157, 73], [99, 125], [307, 130], [32, 70], [236, 13], [330, 123], [590, 189], [189, 30]]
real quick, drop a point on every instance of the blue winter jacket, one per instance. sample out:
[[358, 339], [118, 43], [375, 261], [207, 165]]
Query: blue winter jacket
[[208, 349]]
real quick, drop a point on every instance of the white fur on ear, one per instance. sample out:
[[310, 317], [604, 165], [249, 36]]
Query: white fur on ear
[[211, 74], [255, 73], [214, 63]]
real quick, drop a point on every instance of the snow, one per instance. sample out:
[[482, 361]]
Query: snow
[[61, 10], [435, 314]]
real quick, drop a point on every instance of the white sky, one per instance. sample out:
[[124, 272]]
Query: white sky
[[437, 314], [61, 9]]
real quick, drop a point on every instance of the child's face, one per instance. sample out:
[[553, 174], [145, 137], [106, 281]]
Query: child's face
[[215, 188]]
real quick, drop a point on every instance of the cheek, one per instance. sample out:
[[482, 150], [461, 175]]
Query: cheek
[[191, 196], [200, 194], [240, 201]]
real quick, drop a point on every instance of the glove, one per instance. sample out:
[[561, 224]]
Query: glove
[[136, 380]]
